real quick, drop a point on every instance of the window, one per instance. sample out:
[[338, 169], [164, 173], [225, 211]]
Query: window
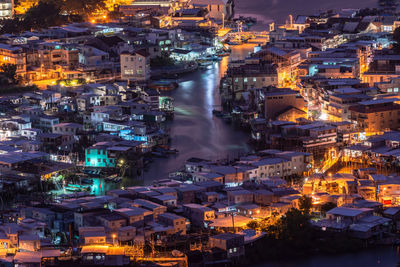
[[128, 72], [254, 79], [245, 80], [98, 160]]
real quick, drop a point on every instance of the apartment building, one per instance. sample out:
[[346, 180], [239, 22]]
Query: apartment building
[[135, 66]]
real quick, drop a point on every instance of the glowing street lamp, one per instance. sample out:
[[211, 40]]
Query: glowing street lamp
[[114, 236]]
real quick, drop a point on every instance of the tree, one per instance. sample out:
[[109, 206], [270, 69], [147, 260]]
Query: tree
[[9, 71], [115, 14], [305, 204], [253, 225], [396, 38], [293, 226], [43, 15], [84, 8], [327, 207], [12, 26]]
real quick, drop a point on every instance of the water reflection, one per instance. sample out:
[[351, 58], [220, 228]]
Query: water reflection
[[267, 11], [195, 132]]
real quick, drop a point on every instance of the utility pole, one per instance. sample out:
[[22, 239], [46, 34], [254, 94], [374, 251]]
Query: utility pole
[[233, 222]]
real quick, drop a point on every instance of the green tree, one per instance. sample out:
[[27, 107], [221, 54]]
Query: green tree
[[305, 204], [9, 71]]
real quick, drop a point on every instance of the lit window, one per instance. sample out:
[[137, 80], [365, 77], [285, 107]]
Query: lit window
[[129, 72], [245, 80]]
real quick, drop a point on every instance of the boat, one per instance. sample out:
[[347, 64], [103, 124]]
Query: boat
[[217, 113], [205, 64], [172, 151], [163, 85], [72, 189], [117, 180], [158, 154], [80, 187], [111, 178], [95, 173], [87, 181], [224, 54], [235, 42]]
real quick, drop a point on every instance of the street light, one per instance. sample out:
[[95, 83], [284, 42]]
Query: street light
[[114, 236]]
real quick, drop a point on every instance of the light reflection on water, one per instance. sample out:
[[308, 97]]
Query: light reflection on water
[[195, 132], [267, 11]]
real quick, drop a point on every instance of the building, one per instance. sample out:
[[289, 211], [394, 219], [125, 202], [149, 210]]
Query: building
[[178, 222], [13, 55], [198, 215], [135, 66], [217, 9], [281, 101], [6, 9], [239, 197], [376, 115], [232, 244]]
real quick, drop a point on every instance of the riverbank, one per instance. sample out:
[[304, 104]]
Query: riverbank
[[195, 132]]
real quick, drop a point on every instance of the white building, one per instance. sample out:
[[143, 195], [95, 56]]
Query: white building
[[6, 9], [135, 66], [217, 9]]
